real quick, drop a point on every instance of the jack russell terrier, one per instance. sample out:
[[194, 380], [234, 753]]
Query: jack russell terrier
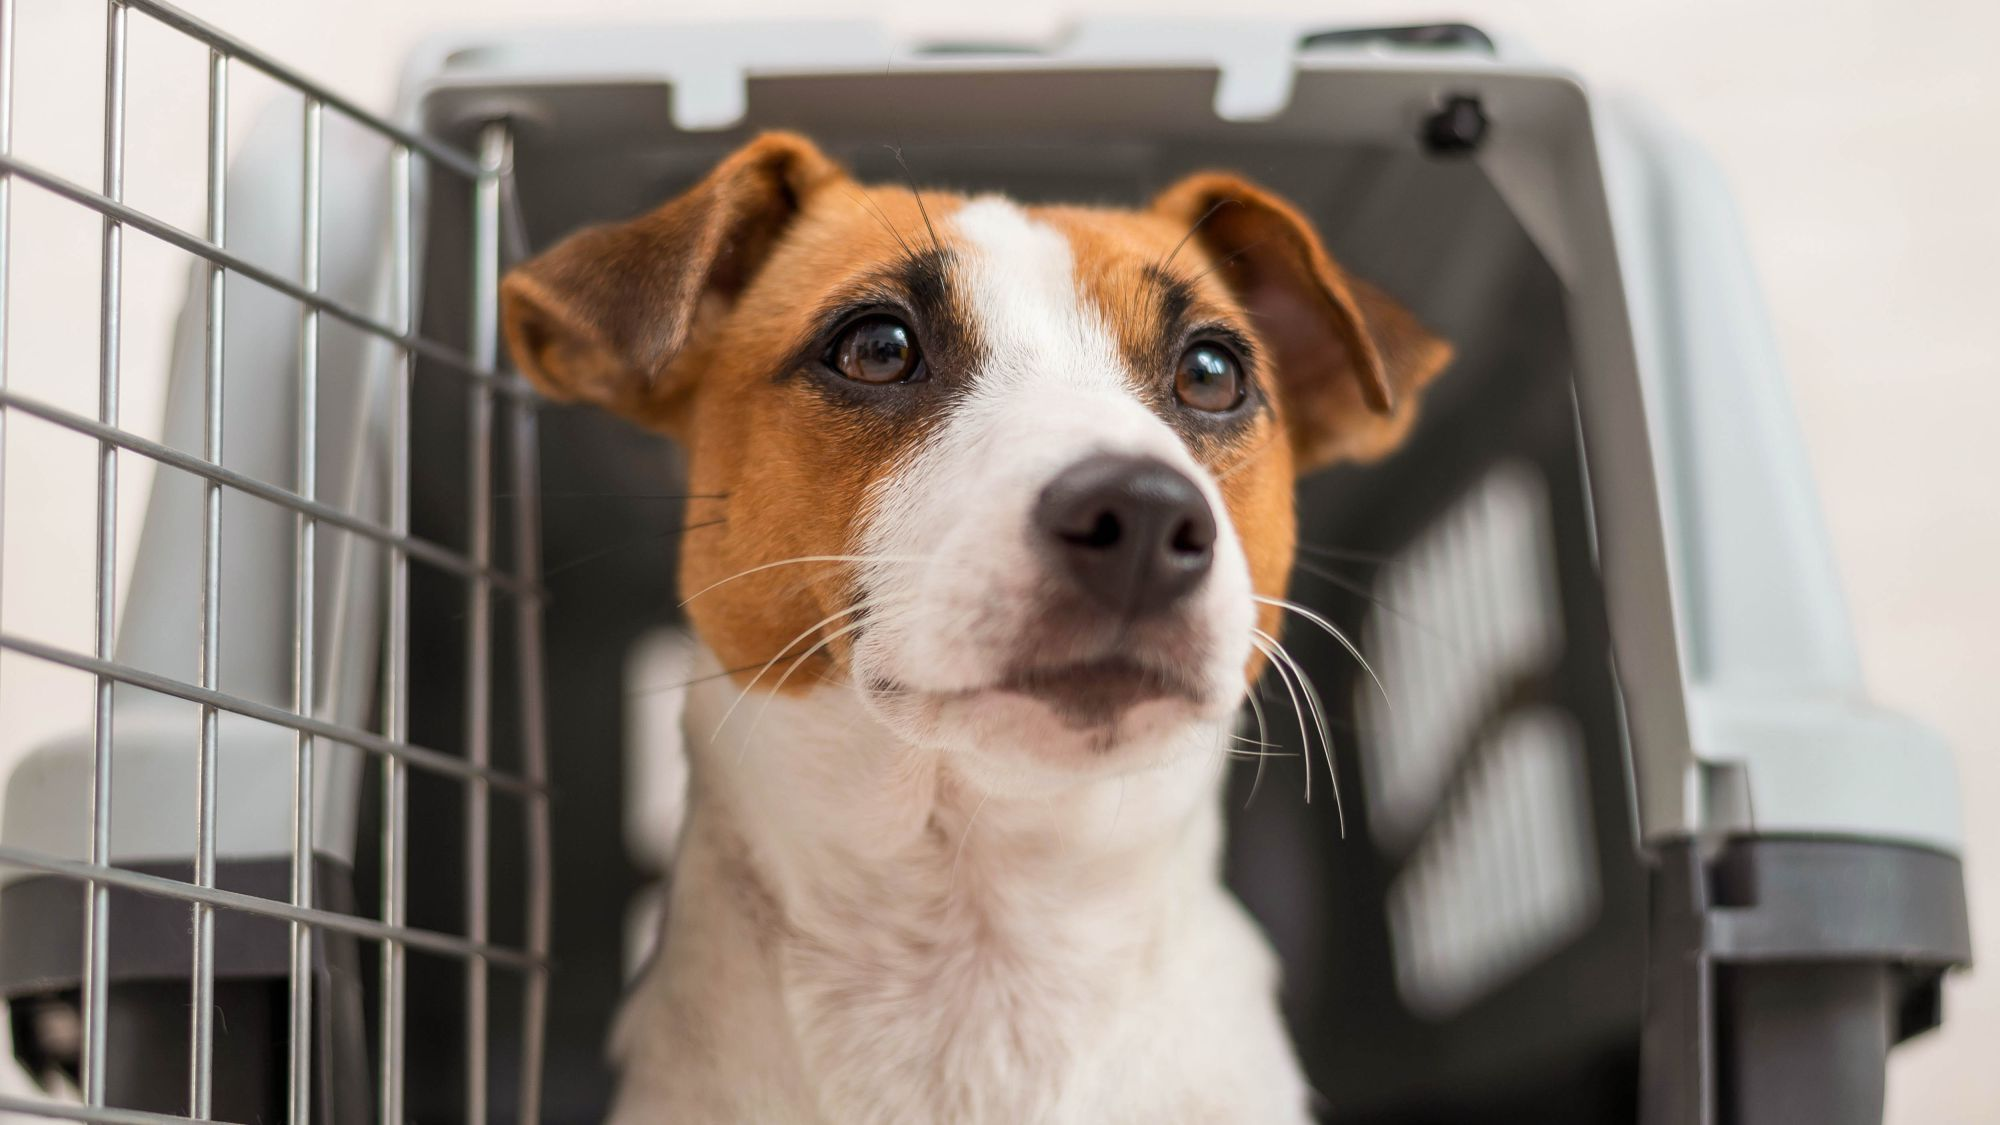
[[995, 515]]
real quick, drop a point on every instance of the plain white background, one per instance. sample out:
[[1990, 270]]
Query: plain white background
[[1859, 135]]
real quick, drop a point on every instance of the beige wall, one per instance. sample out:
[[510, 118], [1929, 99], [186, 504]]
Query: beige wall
[[1859, 136]]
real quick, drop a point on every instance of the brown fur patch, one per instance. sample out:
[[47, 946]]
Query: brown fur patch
[[795, 472]]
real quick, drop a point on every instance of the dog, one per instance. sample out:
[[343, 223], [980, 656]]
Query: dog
[[992, 519]]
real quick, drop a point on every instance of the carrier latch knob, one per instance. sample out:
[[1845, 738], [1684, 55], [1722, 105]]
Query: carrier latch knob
[[1457, 128]]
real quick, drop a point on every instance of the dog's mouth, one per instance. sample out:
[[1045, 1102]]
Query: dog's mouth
[[1090, 693], [1084, 694]]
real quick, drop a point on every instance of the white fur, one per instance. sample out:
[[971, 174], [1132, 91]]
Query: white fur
[[944, 904]]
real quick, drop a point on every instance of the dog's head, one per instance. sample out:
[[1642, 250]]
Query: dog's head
[[1019, 475]]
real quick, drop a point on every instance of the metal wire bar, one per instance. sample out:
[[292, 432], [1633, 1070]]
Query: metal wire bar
[[430, 941], [215, 37], [493, 146], [97, 916], [526, 466], [60, 1111], [400, 330], [304, 630], [173, 236], [441, 557], [534, 747], [432, 760], [396, 658], [201, 1020], [6, 237]]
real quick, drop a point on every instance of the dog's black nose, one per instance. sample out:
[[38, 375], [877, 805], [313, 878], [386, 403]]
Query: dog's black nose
[[1134, 533]]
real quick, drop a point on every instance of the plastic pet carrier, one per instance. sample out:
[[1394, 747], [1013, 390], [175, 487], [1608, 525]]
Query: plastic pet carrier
[[1631, 844]]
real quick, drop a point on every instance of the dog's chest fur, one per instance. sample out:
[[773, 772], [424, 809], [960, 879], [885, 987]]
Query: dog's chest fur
[[944, 975], [870, 941]]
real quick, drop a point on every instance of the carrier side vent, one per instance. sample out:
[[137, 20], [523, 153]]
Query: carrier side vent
[[1507, 874], [1465, 614]]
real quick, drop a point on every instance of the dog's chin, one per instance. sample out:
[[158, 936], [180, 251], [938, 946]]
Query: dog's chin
[[1062, 725]]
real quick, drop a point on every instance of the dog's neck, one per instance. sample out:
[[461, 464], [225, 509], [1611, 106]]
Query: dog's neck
[[837, 813]]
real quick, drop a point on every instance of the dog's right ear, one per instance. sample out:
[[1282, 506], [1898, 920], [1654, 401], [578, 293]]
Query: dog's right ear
[[601, 316]]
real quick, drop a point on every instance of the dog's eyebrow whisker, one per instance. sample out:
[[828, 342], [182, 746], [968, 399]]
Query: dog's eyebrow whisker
[[867, 203], [805, 559], [1335, 632], [1125, 322], [918, 196], [1198, 223]]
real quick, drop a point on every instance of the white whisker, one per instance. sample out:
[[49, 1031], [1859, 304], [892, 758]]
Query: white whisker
[[803, 559], [1279, 653], [1298, 709], [798, 663], [779, 655], [1333, 630], [1222, 750], [951, 881], [1263, 738]]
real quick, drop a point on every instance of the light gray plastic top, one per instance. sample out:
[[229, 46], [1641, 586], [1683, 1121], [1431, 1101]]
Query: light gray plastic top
[[1735, 656]]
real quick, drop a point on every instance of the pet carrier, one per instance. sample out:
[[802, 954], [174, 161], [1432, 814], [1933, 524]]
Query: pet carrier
[[1633, 845]]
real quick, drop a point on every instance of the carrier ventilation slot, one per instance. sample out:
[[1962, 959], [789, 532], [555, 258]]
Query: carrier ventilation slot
[[1463, 615], [1506, 875]]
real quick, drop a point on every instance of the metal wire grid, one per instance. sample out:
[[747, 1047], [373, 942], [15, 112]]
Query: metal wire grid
[[485, 173]]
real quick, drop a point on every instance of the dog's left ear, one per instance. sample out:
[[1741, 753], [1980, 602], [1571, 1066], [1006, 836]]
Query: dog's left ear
[[602, 315], [1350, 362]]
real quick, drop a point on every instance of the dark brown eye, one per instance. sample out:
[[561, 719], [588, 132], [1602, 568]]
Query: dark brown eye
[[879, 350], [1209, 378]]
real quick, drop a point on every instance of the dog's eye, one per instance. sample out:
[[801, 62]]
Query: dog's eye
[[879, 350], [1209, 378]]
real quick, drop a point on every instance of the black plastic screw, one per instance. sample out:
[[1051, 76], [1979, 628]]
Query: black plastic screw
[[1456, 129]]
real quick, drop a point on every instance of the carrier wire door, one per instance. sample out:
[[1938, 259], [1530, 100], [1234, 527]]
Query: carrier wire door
[[206, 890]]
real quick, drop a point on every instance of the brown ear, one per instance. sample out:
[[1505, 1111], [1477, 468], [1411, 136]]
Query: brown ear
[[601, 316], [1350, 361]]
